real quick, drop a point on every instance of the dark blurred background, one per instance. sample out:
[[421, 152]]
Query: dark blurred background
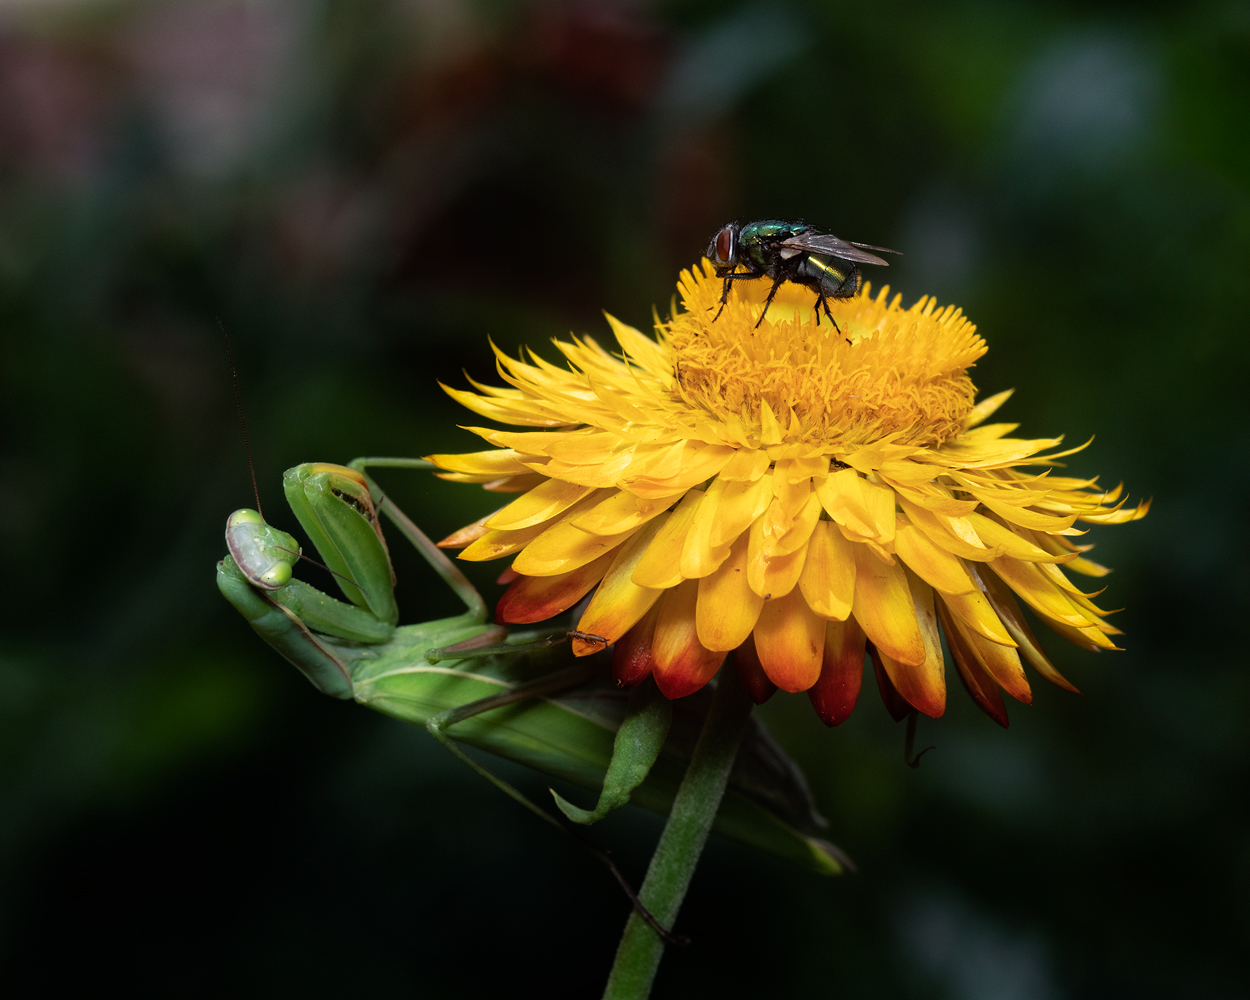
[[364, 192]]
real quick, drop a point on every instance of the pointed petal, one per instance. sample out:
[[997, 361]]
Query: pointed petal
[[1039, 593], [929, 561], [562, 548], [828, 578], [682, 664], [468, 534], [863, 508], [922, 686], [1003, 601], [954, 534], [771, 576], [976, 612], [985, 409], [619, 603], [884, 608], [1000, 662], [1008, 543], [841, 674], [790, 641], [728, 608], [746, 466], [496, 544], [540, 504], [699, 557], [496, 462], [537, 598], [754, 679], [740, 505], [661, 566], [979, 684], [621, 512]]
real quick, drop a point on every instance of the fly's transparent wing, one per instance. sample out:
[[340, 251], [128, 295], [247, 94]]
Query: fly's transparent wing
[[824, 243]]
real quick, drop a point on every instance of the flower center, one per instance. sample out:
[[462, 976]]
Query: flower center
[[891, 371]]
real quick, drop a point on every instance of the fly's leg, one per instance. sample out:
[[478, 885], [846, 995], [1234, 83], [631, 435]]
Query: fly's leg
[[822, 301], [724, 295], [769, 301]]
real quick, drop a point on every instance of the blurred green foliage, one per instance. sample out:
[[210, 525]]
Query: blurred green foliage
[[361, 194]]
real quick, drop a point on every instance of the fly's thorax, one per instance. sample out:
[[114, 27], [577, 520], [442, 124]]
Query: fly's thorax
[[757, 240]]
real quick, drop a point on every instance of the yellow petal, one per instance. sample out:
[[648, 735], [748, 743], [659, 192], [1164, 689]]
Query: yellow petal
[[1003, 601], [1024, 518], [790, 641], [469, 533], [933, 564], [884, 608], [1008, 543], [1000, 662], [746, 466], [621, 512], [771, 577], [977, 613], [660, 567], [563, 546], [512, 484], [728, 608], [986, 408], [954, 534], [740, 504], [923, 685], [861, 507], [619, 603], [497, 544], [496, 462], [539, 504], [1039, 593], [800, 470], [828, 578], [698, 556]]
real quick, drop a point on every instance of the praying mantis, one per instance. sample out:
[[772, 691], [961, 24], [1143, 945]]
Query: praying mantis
[[520, 696]]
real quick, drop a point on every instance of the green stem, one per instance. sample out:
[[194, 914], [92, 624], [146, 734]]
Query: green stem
[[672, 866]]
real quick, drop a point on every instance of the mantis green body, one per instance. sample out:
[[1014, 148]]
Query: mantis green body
[[521, 697]]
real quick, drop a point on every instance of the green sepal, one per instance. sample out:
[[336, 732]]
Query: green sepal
[[634, 752]]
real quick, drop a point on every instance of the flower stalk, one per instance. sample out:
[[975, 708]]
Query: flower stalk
[[677, 853]]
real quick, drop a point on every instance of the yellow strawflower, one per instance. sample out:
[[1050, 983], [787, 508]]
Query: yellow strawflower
[[790, 494]]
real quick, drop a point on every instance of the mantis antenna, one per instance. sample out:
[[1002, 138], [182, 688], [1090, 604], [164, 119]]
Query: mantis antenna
[[238, 402]]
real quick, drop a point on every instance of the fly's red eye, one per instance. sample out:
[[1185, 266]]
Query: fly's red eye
[[724, 243]]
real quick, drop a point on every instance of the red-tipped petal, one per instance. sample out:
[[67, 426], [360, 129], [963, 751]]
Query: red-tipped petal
[[507, 577], [537, 598], [758, 686], [790, 640], [841, 674], [632, 659], [682, 663], [895, 703]]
